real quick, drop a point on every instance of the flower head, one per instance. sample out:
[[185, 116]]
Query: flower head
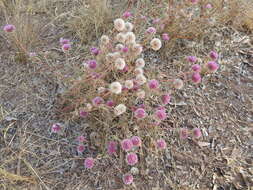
[[140, 113], [196, 78], [209, 6], [141, 79], [196, 133], [161, 144], [64, 41], [140, 63], [115, 88], [97, 101], [80, 148], [9, 28], [151, 30], [81, 139], [66, 47], [94, 51], [137, 49], [160, 114], [104, 40], [178, 83], [136, 141], [130, 37], [56, 128], [138, 71], [165, 37], [120, 63], [129, 84], [212, 66], [156, 44], [153, 84], [83, 113], [119, 47], [92, 64], [110, 103], [128, 179], [131, 159], [119, 24], [192, 59], [119, 109], [129, 26], [196, 68], [121, 37], [214, 55], [112, 147], [89, 163], [127, 14], [126, 144], [165, 99]]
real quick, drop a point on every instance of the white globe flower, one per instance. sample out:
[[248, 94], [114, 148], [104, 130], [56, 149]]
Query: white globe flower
[[120, 63], [119, 109], [129, 84], [115, 87], [140, 63], [119, 24], [156, 44]]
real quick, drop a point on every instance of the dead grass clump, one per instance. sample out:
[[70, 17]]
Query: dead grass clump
[[90, 19], [26, 36]]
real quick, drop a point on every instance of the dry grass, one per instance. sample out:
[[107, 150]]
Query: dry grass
[[32, 158]]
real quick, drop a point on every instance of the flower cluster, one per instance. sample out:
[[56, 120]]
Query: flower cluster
[[118, 93]]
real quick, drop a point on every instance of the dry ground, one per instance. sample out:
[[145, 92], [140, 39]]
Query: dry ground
[[222, 106]]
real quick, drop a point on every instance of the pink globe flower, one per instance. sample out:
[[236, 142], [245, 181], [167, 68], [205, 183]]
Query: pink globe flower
[[161, 144], [209, 6], [212, 66], [140, 113], [89, 163], [131, 159], [110, 103], [151, 30], [183, 133], [128, 179], [165, 99], [56, 128], [97, 101], [196, 68], [156, 21], [95, 75], [153, 84], [66, 47], [127, 14], [92, 64], [214, 55], [83, 113], [9, 28], [112, 147], [64, 41], [196, 133], [160, 114], [136, 141], [126, 144], [165, 37], [125, 49], [192, 59], [95, 51], [80, 148], [81, 139], [196, 78]]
